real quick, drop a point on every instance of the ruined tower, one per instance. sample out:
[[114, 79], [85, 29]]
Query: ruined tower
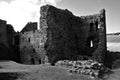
[[8, 48], [63, 35], [69, 36]]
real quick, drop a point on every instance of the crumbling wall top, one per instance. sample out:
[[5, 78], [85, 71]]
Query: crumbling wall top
[[31, 26], [2, 21]]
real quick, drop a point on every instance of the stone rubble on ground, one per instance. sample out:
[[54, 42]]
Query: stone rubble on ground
[[86, 67]]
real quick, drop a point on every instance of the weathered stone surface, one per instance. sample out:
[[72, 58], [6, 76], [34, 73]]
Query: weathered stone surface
[[3, 32], [61, 36], [31, 47], [86, 67], [31, 26], [8, 48], [69, 36]]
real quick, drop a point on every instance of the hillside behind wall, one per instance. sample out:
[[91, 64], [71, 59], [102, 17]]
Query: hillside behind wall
[[69, 36]]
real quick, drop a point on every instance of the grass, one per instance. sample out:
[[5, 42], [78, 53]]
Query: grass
[[14, 71], [115, 75]]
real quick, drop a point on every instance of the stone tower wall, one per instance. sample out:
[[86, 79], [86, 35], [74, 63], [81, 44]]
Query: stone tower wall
[[31, 26], [8, 50], [68, 36], [3, 32], [64, 36], [31, 51]]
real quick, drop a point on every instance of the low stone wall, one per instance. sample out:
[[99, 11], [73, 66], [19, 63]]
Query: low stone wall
[[86, 67]]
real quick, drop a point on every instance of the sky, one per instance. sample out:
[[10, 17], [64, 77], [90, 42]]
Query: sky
[[20, 12]]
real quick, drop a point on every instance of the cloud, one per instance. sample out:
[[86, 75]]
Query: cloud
[[52, 2], [19, 12], [8, 1], [99, 1]]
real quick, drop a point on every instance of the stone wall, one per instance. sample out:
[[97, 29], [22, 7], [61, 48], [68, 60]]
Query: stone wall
[[8, 50], [31, 26], [68, 36], [62, 36], [97, 34], [3, 32], [10, 34], [31, 47], [62, 29]]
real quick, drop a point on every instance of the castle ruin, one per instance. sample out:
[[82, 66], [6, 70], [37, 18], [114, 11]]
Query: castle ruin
[[63, 36], [9, 47]]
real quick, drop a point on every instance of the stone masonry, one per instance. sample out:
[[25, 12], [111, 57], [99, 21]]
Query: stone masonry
[[31, 47], [62, 36], [8, 48], [31, 26], [69, 36]]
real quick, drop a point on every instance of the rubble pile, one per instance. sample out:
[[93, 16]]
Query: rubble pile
[[86, 67]]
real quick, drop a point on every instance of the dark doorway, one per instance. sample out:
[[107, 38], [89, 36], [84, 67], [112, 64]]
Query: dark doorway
[[33, 50], [32, 61], [91, 27], [28, 39], [96, 25], [40, 61]]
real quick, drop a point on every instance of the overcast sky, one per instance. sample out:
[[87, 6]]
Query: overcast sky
[[19, 12]]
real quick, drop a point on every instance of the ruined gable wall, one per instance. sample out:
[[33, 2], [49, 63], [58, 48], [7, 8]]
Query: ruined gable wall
[[98, 35], [7, 49], [99, 54], [68, 35], [31, 26], [13, 47], [31, 48]]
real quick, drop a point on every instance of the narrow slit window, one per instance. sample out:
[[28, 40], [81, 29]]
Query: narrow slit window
[[91, 27], [96, 25], [32, 61], [91, 43], [29, 39], [40, 61]]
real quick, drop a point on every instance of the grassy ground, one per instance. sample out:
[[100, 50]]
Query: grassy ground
[[10, 70], [115, 75]]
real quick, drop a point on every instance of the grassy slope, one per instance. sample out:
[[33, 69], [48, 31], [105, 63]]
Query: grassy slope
[[115, 75], [14, 71]]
